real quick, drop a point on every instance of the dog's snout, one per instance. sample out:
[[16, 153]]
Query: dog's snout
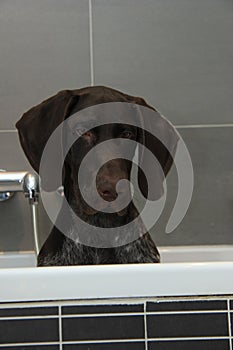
[[107, 188], [107, 179]]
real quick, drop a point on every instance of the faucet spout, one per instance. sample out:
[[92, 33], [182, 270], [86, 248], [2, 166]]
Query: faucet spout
[[31, 187]]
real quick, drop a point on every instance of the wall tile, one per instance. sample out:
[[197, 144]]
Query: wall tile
[[15, 228], [187, 325], [95, 309], [13, 331], [182, 62], [12, 157], [117, 327], [177, 55], [16, 224], [190, 345], [107, 346], [38, 324], [34, 347], [187, 305], [44, 48], [231, 317], [16, 212], [209, 217], [29, 311]]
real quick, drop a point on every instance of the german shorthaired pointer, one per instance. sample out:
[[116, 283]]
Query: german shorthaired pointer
[[35, 128]]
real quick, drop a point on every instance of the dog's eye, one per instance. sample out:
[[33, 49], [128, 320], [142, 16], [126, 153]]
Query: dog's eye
[[127, 134], [86, 134], [81, 131]]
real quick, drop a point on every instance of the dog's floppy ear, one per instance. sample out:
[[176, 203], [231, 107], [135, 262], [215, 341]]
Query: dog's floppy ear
[[163, 146], [36, 126]]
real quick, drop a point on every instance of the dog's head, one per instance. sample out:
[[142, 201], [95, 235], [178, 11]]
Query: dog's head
[[37, 125]]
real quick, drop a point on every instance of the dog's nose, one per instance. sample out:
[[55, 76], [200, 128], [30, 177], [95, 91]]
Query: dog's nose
[[107, 189]]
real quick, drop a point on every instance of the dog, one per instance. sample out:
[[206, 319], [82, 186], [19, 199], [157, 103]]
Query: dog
[[35, 128]]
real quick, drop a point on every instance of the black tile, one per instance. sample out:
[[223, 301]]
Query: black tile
[[231, 322], [190, 345], [187, 325], [94, 328], [107, 346], [23, 331], [187, 305], [35, 347], [29, 311], [95, 309]]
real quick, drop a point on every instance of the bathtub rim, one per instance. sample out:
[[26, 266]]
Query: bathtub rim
[[169, 254], [127, 281]]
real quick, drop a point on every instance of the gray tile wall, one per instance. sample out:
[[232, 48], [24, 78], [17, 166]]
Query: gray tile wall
[[177, 54]]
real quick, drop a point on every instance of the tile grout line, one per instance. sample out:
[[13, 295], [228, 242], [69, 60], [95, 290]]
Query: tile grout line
[[60, 327], [185, 312], [115, 341], [145, 327], [196, 126], [191, 126], [103, 341], [116, 314], [10, 345], [229, 323], [25, 318], [8, 130], [125, 314], [91, 42], [196, 338]]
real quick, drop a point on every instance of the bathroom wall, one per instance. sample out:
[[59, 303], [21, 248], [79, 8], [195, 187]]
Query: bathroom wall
[[177, 54]]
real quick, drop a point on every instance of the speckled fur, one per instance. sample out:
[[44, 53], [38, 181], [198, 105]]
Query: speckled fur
[[35, 128], [69, 252]]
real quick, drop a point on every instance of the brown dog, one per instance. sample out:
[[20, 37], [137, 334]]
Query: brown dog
[[35, 128]]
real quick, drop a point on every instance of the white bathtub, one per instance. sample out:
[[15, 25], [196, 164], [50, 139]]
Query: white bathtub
[[184, 271]]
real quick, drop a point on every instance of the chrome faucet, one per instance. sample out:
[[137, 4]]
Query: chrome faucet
[[28, 183], [30, 186]]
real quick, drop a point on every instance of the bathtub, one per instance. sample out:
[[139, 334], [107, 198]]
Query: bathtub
[[189, 267], [186, 302], [206, 270]]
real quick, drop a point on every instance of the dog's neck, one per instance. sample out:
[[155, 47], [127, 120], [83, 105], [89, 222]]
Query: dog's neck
[[101, 220]]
